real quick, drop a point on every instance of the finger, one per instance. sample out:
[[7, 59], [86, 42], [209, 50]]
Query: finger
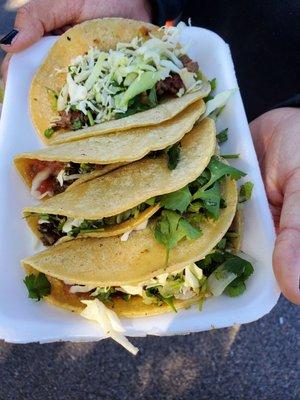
[[286, 257], [39, 17], [4, 67]]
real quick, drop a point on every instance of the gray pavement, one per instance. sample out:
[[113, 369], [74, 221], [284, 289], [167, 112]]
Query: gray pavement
[[258, 361]]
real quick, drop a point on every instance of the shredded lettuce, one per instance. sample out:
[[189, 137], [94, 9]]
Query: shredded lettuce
[[217, 102], [111, 325], [102, 84]]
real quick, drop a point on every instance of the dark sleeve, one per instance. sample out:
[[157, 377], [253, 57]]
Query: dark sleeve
[[291, 102], [165, 10]]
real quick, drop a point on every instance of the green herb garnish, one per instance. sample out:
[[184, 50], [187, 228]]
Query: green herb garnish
[[222, 136], [91, 119], [213, 86], [173, 154], [229, 262], [230, 156], [178, 200], [211, 199], [104, 294], [85, 168], [53, 98], [77, 124], [217, 170], [126, 296], [38, 286], [245, 192], [48, 132], [171, 227]]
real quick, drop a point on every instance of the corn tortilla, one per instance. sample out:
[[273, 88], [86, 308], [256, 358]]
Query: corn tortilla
[[104, 34], [114, 148], [132, 184]]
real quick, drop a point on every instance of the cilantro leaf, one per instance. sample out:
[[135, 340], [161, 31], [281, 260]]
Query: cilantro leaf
[[126, 296], [173, 154], [104, 294], [245, 192], [170, 302], [171, 227], [151, 201], [211, 199], [230, 263], [213, 84], [38, 286], [238, 266], [235, 288], [222, 136], [188, 230], [243, 269], [222, 244], [77, 124], [195, 207], [196, 219], [178, 200], [217, 170]]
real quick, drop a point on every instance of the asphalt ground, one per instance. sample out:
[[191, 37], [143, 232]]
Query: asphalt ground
[[258, 361]]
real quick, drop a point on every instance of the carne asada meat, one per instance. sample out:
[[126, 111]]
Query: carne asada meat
[[74, 119], [169, 86], [190, 65]]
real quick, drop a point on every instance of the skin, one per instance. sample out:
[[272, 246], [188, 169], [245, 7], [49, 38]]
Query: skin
[[276, 136], [276, 133]]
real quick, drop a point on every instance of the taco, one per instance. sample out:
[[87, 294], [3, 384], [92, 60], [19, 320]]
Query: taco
[[57, 168], [101, 288], [112, 74], [126, 197]]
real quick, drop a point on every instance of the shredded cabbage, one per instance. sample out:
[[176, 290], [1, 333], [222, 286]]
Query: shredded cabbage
[[183, 284], [218, 101], [219, 280], [105, 82], [95, 310], [139, 227], [70, 223]]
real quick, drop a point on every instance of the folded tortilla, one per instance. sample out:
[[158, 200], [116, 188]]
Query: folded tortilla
[[108, 262], [131, 185], [108, 151], [104, 34]]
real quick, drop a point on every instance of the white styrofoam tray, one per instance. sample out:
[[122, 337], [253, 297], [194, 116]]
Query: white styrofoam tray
[[23, 320]]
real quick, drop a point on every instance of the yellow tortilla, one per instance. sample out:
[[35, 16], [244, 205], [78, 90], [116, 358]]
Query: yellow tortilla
[[132, 184], [114, 148], [118, 229], [110, 262], [103, 34], [134, 307]]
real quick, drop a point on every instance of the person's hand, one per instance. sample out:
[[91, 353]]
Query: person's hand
[[39, 17], [276, 136]]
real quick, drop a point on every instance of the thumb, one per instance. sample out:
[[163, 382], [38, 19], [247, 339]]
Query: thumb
[[38, 17], [286, 257]]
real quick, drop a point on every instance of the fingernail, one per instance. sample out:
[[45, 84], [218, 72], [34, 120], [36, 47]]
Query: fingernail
[[7, 39]]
